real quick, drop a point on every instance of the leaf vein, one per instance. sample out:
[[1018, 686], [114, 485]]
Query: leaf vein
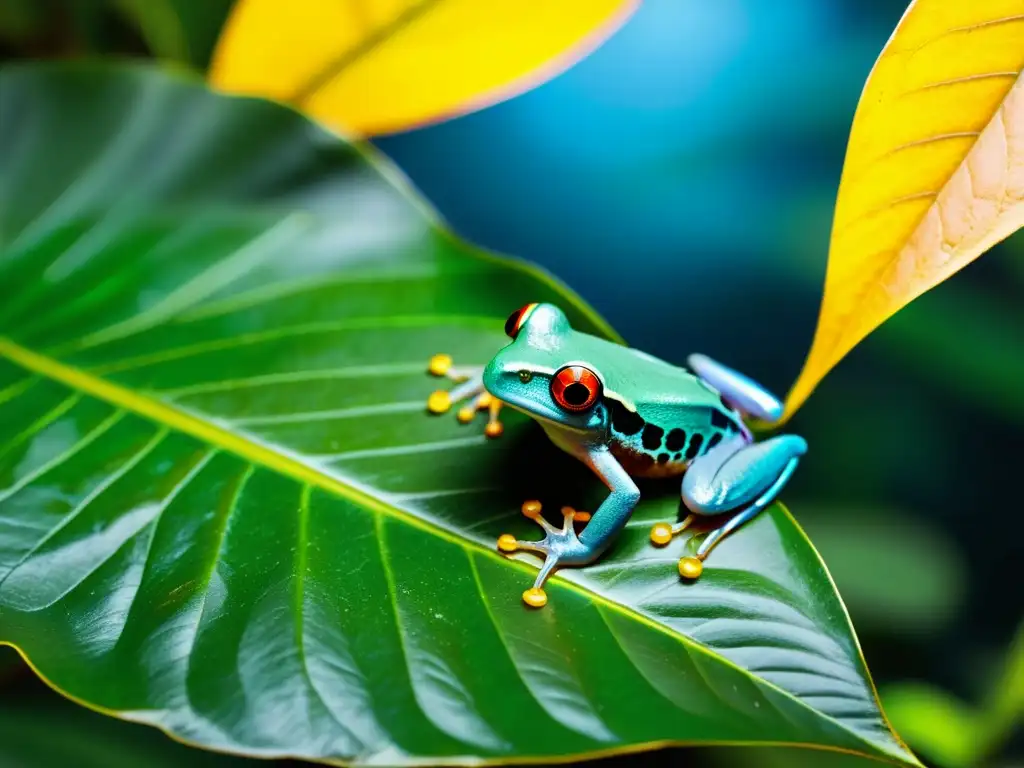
[[288, 332], [43, 421], [365, 46], [292, 377], [92, 496], [961, 80], [56, 461], [301, 555], [189, 476], [470, 556]]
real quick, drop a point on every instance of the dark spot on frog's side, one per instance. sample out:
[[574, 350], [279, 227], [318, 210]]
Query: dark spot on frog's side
[[720, 421], [625, 421], [663, 458], [715, 440], [676, 439], [695, 443], [652, 437]]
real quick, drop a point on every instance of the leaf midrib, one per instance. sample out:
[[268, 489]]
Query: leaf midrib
[[289, 465], [363, 47]]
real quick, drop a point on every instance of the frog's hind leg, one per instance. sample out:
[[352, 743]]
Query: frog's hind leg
[[749, 397], [736, 476], [470, 387]]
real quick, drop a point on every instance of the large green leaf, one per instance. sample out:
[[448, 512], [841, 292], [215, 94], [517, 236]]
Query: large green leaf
[[227, 513]]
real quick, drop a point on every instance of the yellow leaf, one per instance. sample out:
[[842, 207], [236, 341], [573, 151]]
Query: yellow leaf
[[934, 171], [366, 67]]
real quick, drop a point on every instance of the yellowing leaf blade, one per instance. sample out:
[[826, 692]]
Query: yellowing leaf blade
[[934, 171], [381, 66]]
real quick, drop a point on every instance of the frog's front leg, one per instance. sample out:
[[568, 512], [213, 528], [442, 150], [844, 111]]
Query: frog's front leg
[[562, 546], [736, 476], [470, 387]]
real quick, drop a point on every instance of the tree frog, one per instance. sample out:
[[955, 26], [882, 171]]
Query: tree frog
[[626, 415]]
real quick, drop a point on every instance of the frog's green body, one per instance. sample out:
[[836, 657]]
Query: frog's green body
[[660, 433], [627, 414], [672, 418]]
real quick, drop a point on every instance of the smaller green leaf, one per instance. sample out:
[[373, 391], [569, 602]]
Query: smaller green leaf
[[20, 19], [178, 30], [949, 730], [937, 723], [894, 572], [1005, 709], [159, 24]]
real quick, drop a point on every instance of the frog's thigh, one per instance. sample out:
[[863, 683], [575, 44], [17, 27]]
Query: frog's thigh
[[745, 393], [735, 473]]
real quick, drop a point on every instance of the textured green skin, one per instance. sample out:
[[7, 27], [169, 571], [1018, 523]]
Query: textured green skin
[[357, 612]]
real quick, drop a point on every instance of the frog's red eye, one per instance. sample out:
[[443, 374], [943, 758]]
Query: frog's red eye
[[516, 319], [575, 388]]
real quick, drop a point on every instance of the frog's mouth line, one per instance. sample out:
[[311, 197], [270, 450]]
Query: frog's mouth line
[[557, 419], [535, 411]]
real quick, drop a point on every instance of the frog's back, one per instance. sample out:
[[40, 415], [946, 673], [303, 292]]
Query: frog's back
[[674, 418]]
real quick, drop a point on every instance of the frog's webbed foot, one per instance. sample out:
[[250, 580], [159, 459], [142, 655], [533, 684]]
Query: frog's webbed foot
[[560, 546], [470, 387]]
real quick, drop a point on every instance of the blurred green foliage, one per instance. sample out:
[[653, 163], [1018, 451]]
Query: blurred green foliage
[[953, 732], [910, 486], [182, 31], [921, 589]]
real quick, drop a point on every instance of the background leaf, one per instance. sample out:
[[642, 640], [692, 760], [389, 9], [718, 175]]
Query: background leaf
[[227, 514], [893, 571], [20, 19], [179, 30], [934, 171], [942, 726], [380, 66], [954, 733]]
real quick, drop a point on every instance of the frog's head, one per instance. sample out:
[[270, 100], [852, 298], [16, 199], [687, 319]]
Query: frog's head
[[538, 372]]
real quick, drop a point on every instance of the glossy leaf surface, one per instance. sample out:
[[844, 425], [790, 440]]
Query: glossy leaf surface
[[934, 169], [379, 66], [226, 513]]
